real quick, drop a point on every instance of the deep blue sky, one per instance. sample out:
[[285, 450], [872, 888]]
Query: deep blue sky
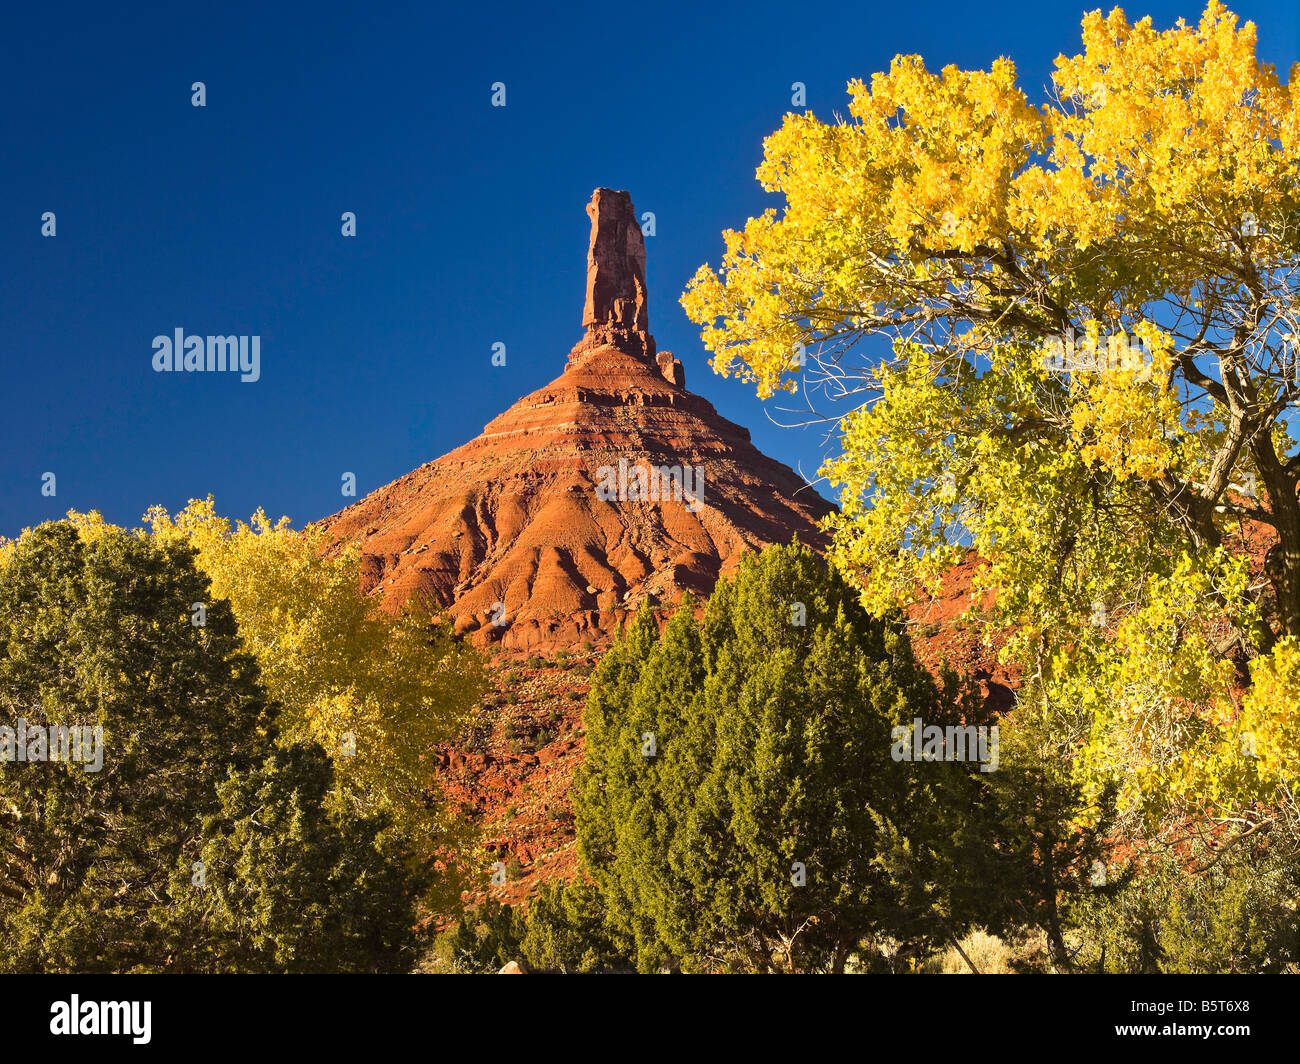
[[375, 350]]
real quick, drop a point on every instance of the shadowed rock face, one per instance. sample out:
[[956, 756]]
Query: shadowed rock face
[[543, 522]]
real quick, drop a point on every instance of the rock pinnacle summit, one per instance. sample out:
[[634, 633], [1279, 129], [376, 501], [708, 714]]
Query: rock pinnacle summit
[[617, 310], [616, 307]]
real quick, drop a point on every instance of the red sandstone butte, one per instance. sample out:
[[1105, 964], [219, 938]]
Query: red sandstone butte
[[511, 526]]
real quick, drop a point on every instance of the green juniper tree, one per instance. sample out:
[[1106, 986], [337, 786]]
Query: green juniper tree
[[739, 807], [566, 931], [196, 845]]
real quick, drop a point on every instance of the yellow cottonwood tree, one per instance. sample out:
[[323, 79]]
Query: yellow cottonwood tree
[[377, 692], [980, 249]]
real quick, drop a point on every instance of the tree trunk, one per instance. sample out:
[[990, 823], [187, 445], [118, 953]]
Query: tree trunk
[[1282, 563], [957, 946]]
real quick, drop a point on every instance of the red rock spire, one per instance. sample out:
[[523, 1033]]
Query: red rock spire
[[616, 312], [616, 296], [511, 532]]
